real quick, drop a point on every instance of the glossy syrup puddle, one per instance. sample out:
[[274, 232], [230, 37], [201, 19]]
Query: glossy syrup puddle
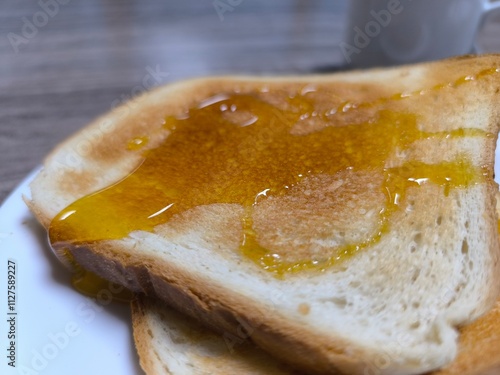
[[239, 148]]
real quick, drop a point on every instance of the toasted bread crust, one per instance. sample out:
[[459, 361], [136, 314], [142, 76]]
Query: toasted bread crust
[[142, 338], [478, 348], [76, 169], [170, 343], [221, 314]]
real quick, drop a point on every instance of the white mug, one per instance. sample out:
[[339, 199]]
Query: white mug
[[392, 32]]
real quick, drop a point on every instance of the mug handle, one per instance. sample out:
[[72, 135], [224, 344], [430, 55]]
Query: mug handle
[[489, 7]]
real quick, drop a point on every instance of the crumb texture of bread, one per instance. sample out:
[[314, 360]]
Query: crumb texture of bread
[[172, 344], [393, 308]]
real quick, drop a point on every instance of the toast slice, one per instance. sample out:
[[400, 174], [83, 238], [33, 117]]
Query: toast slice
[[367, 258], [169, 343]]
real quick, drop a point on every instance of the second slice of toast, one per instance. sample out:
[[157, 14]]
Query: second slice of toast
[[169, 343]]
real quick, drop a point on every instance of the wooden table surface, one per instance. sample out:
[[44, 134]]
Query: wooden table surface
[[80, 58]]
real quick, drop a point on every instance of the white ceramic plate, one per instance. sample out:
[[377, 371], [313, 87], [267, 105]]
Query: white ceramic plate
[[58, 331]]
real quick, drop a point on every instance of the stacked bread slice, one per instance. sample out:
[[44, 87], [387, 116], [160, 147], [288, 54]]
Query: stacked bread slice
[[367, 262]]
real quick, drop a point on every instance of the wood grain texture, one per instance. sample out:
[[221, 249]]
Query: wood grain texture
[[86, 57]]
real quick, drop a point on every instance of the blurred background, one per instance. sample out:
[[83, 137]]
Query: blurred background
[[63, 62]]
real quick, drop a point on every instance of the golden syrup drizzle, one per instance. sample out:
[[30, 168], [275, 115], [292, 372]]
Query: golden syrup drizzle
[[137, 143], [233, 147], [459, 173], [90, 284], [349, 106]]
